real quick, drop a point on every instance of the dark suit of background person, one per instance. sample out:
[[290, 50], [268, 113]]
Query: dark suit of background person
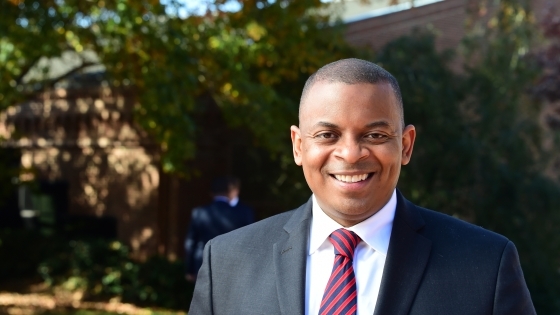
[[435, 264], [223, 215]]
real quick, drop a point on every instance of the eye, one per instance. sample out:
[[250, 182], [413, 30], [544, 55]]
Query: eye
[[376, 136], [326, 135]]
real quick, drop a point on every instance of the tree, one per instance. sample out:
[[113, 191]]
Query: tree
[[521, 200], [480, 153], [252, 61], [549, 59]]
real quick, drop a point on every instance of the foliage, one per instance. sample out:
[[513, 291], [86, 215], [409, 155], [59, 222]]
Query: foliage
[[8, 172], [252, 61], [524, 202], [103, 270], [549, 59], [22, 251], [479, 153]]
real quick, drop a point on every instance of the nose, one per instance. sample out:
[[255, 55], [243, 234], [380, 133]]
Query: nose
[[351, 151]]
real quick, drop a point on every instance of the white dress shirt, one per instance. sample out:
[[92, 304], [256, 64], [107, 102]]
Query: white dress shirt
[[369, 256]]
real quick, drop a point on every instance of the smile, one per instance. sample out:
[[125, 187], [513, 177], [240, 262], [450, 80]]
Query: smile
[[351, 178]]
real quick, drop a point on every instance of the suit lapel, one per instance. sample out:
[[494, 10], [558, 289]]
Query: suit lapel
[[407, 258], [290, 258]]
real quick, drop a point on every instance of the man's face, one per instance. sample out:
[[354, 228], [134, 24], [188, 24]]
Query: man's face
[[351, 145]]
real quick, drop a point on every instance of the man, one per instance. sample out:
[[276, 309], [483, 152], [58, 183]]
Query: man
[[223, 215], [358, 246]]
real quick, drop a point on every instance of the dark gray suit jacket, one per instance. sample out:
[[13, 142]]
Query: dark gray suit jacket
[[436, 264]]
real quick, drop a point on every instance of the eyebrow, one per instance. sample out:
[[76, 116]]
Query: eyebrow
[[374, 124], [325, 124], [381, 123]]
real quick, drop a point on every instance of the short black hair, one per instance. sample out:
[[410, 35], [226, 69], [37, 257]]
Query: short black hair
[[354, 71], [223, 184]]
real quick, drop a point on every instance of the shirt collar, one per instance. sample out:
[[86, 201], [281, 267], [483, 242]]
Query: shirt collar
[[233, 202], [375, 231]]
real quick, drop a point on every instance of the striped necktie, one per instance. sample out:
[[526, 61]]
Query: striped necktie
[[340, 295]]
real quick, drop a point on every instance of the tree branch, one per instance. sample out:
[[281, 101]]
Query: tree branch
[[54, 81], [26, 69]]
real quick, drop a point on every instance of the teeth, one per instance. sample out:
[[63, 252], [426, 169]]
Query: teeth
[[351, 178]]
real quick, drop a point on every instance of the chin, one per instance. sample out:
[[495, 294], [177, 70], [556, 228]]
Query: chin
[[353, 206]]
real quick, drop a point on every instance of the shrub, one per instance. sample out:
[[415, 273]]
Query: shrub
[[103, 270]]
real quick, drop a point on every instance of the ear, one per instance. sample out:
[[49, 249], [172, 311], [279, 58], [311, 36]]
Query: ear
[[408, 137], [296, 144]]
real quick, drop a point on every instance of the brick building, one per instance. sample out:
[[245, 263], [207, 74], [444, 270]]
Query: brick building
[[92, 169], [372, 26]]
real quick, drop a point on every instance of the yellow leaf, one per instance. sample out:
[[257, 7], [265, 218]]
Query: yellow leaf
[[214, 42], [255, 31], [226, 88]]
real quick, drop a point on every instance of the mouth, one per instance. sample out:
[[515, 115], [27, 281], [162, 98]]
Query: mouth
[[352, 178]]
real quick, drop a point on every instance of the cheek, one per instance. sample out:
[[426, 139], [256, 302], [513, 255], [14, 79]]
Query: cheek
[[389, 156], [314, 157]]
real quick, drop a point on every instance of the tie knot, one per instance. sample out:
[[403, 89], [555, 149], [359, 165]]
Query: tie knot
[[344, 242]]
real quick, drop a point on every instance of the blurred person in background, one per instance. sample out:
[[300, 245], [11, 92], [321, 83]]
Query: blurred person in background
[[223, 215]]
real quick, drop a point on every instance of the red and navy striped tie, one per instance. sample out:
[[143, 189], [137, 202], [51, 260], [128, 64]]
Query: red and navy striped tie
[[340, 295]]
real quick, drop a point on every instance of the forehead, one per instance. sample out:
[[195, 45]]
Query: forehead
[[358, 103]]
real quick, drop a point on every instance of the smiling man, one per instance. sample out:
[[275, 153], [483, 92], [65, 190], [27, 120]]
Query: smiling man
[[358, 246]]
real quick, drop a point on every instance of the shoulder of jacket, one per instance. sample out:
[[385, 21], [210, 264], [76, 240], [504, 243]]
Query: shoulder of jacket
[[451, 225], [263, 231]]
